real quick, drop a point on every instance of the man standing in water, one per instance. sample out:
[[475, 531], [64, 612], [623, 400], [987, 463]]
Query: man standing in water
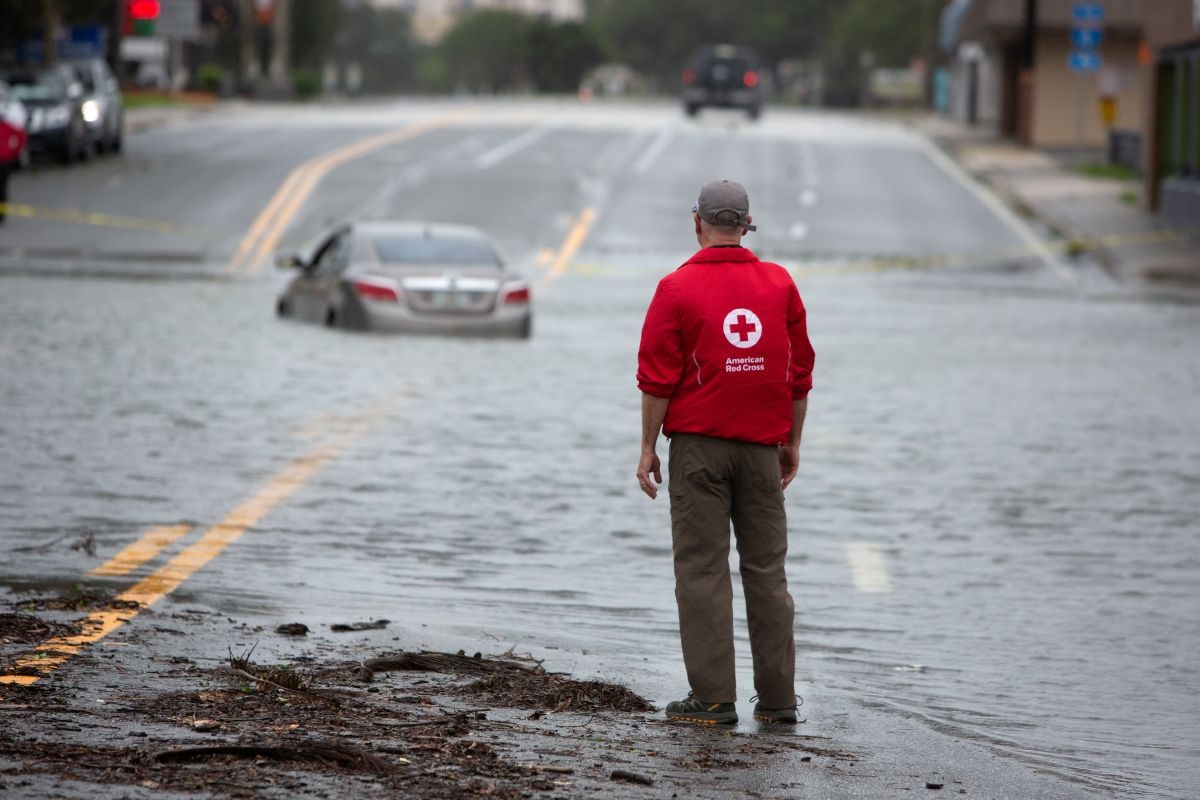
[[725, 367]]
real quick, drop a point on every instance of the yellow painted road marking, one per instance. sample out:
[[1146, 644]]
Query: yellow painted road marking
[[52, 653], [100, 220], [264, 218], [570, 246], [868, 568], [153, 542], [268, 228]]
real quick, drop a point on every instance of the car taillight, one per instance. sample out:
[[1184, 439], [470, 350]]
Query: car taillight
[[377, 289], [750, 79], [689, 76], [516, 294]]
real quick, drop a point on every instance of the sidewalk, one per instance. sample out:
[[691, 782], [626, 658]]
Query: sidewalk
[[1106, 217], [146, 118]]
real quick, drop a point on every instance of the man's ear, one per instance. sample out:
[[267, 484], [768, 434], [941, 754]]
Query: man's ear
[[696, 221], [749, 221]]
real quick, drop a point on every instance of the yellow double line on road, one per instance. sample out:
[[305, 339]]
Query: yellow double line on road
[[576, 236], [268, 228], [99, 220], [54, 652]]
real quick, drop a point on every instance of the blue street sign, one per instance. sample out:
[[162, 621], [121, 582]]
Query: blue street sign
[[1087, 38], [78, 41], [1084, 61], [1088, 13]]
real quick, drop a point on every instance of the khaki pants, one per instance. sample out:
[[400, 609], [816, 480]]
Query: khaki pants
[[712, 482]]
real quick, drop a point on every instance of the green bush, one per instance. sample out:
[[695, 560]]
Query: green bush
[[208, 78], [306, 84]]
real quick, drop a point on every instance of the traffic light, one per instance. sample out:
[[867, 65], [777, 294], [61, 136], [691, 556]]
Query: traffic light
[[140, 16]]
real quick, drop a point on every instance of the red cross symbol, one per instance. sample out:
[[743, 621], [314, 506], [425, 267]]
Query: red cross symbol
[[743, 328]]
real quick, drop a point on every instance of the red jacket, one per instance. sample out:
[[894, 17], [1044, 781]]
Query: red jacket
[[725, 339]]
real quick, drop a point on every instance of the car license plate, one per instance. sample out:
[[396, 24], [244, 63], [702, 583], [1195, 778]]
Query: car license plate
[[450, 300]]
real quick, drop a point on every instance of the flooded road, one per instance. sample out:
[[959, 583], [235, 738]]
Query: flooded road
[[993, 531]]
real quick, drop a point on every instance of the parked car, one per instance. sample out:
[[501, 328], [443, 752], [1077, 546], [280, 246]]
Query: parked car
[[103, 108], [53, 98], [412, 277], [723, 76]]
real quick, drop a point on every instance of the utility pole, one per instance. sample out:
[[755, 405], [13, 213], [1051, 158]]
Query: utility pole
[[1029, 56], [266, 45], [50, 25], [281, 50], [1024, 104]]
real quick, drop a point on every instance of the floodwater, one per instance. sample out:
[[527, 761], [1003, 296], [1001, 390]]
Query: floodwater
[[1018, 461], [993, 532]]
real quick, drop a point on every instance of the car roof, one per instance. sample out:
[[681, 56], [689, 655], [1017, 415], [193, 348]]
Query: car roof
[[724, 51], [418, 229]]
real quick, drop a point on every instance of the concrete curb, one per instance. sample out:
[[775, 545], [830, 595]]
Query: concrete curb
[[1181, 271]]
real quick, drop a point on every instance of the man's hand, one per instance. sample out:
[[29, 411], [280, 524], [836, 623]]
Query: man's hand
[[789, 461], [649, 465]]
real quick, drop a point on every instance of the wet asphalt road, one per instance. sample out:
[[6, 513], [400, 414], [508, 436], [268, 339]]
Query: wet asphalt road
[[994, 547]]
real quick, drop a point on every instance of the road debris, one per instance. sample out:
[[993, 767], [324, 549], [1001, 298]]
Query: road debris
[[430, 726], [359, 626], [631, 777]]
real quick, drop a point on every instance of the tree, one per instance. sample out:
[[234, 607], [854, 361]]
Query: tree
[[560, 55], [866, 34], [380, 41], [314, 24], [656, 37], [487, 51]]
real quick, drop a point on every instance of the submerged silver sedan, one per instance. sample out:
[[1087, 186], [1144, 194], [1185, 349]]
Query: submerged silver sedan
[[410, 277]]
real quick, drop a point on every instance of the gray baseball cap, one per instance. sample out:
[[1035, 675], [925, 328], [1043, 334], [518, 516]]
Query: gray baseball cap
[[725, 204]]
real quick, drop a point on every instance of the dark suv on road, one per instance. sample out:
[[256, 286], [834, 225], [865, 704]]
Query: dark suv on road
[[723, 76]]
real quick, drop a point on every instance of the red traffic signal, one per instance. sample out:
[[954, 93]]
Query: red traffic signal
[[146, 10], [140, 16]]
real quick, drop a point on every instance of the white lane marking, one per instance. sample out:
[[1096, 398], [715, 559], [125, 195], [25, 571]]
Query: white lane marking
[[798, 230], [808, 198], [997, 207], [513, 146], [867, 567], [656, 148]]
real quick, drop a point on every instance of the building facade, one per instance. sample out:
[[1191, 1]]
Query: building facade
[[1172, 112], [1023, 80]]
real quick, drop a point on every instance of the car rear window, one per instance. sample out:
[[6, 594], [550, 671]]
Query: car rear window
[[433, 250]]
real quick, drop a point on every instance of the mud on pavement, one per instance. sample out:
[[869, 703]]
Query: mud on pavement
[[142, 723]]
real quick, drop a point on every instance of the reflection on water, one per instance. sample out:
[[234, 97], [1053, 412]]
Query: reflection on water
[[1024, 465]]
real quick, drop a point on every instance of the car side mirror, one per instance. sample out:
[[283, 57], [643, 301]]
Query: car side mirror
[[290, 261]]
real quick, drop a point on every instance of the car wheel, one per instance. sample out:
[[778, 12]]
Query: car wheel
[[67, 154], [691, 109], [281, 308], [331, 318], [526, 328], [754, 112]]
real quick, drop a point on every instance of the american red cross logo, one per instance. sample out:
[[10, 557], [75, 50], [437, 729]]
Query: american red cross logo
[[742, 328]]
